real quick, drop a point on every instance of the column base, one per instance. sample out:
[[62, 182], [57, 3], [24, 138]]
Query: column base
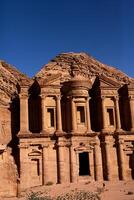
[[59, 132], [89, 132], [24, 133], [119, 130], [44, 132], [132, 129], [73, 132], [105, 130]]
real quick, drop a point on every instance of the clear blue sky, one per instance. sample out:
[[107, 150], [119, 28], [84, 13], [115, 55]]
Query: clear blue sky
[[34, 31]]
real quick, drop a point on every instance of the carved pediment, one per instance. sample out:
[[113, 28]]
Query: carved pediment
[[130, 87], [50, 80], [106, 83]]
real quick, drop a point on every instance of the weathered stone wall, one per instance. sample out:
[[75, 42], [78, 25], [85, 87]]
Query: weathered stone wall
[[9, 176], [5, 125]]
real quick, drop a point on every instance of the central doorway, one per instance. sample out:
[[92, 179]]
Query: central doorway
[[84, 164]]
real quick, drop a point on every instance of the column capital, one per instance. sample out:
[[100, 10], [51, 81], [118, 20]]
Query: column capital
[[23, 95], [103, 97], [131, 97], [24, 89], [116, 98], [43, 96], [70, 98], [88, 98], [120, 141], [58, 97], [97, 141]]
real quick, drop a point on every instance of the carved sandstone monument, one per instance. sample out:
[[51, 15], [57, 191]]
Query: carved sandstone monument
[[73, 121]]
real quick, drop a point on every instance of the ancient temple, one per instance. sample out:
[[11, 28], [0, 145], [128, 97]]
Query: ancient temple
[[72, 122]]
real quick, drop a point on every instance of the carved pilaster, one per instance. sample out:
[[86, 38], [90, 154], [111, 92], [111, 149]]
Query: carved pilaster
[[63, 161], [104, 125], [121, 159], [88, 116], [117, 113], [131, 102], [73, 164], [24, 167], [43, 110], [58, 109], [98, 160], [108, 144], [45, 167], [24, 119], [73, 110]]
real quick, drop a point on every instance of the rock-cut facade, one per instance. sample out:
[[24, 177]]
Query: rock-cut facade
[[72, 122]]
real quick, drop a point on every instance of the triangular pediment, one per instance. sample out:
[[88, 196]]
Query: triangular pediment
[[108, 83], [50, 80], [130, 86]]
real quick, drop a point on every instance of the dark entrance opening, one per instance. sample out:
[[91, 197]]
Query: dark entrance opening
[[84, 164], [131, 164]]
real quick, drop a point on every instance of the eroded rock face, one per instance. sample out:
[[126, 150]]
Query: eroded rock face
[[9, 174], [10, 79], [69, 64]]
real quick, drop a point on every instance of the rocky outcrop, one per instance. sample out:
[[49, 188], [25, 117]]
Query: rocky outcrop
[[10, 78], [70, 64]]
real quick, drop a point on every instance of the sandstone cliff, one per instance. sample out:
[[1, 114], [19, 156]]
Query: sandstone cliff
[[10, 77], [68, 64]]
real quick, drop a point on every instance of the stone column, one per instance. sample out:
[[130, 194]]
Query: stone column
[[73, 165], [131, 102], [58, 109], [98, 161], [104, 125], [108, 158], [73, 110], [43, 110], [117, 113], [24, 168], [68, 114], [24, 117], [63, 176], [88, 116], [45, 167], [0, 122], [121, 159], [61, 164]]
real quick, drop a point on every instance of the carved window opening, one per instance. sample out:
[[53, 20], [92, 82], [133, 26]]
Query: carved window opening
[[80, 114], [50, 114], [84, 169], [110, 114], [35, 167]]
